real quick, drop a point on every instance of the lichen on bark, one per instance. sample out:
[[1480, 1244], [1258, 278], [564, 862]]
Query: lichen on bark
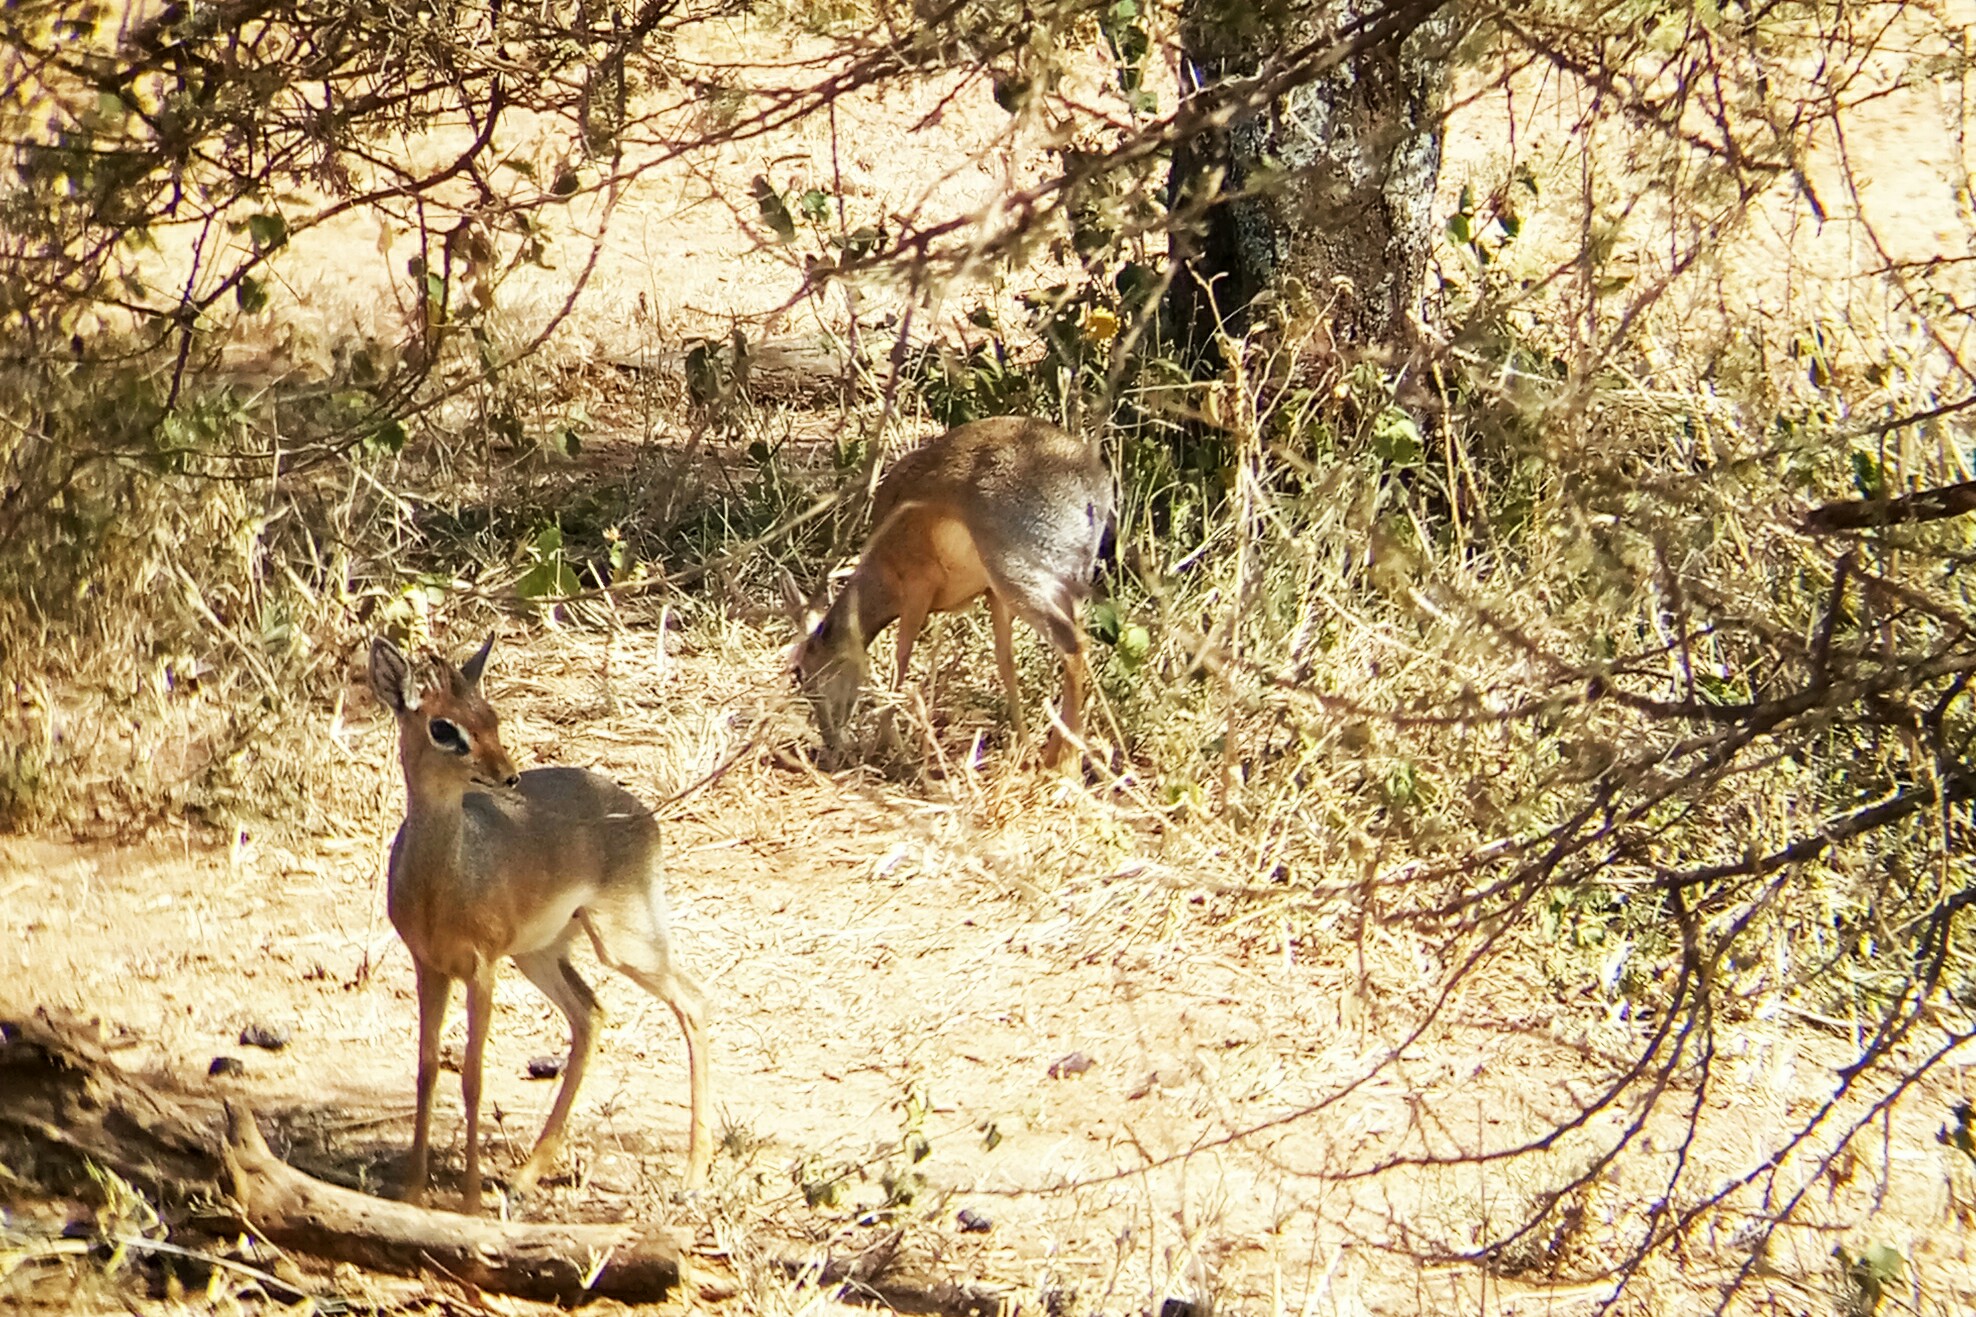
[[1329, 187]]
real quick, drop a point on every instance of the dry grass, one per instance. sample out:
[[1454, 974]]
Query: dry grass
[[1321, 1083], [890, 961]]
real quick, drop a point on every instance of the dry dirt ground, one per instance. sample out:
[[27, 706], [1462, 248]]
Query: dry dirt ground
[[885, 961], [889, 963]]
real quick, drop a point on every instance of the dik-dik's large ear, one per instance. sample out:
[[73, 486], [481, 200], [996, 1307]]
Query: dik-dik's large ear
[[802, 608], [476, 665], [388, 674]]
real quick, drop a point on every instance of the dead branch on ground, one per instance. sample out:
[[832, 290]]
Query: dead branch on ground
[[63, 1100], [65, 1103]]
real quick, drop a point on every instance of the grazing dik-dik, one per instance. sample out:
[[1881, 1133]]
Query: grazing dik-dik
[[493, 864], [1011, 507]]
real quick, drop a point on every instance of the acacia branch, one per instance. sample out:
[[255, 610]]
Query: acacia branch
[[1862, 514], [1957, 788]]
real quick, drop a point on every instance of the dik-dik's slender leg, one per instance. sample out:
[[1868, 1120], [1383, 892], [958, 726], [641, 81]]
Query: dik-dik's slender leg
[[1076, 676], [480, 1012], [914, 605], [1059, 626], [641, 950], [551, 971], [677, 990], [999, 615], [913, 608], [434, 991]]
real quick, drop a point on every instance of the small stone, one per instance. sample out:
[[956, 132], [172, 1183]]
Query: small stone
[[260, 1035], [1066, 1066], [544, 1067], [227, 1067], [972, 1222], [1178, 1308]]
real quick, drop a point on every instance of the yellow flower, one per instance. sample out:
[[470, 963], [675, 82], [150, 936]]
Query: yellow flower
[[1100, 325]]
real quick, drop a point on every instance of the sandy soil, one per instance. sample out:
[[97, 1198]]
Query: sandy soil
[[876, 951], [883, 960]]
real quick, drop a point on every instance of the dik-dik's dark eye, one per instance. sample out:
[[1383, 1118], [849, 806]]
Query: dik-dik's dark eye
[[447, 736]]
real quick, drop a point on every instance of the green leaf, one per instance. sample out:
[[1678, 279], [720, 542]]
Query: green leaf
[[815, 206], [267, 231], [1137, 283], [550, 576], [388, 439], [1869, 477], [1134, 643], [1876, 1270], [1403, 786], [1883, 1262], [1459, 230], [251, 295], [1103, 622], [1396, 438], [774, 211]]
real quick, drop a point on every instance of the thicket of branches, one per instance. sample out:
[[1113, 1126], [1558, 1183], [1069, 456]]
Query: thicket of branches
[[1622, 610]]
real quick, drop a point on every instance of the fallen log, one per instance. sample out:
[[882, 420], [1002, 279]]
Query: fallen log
[[70, 1102], [560, 1263], [65, 1102]]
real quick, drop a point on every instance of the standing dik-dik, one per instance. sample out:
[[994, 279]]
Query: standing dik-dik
[[491, 863], [1011, 507]]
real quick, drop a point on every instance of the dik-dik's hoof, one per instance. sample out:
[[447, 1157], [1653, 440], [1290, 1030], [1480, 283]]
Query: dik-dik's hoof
[[1060, 756]]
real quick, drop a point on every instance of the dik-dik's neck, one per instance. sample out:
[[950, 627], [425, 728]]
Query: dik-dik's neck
[[866, 606], [432, 835], [433, 815]]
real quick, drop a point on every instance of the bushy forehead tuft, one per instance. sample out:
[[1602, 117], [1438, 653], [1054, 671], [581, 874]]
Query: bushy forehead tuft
[[446, 693]]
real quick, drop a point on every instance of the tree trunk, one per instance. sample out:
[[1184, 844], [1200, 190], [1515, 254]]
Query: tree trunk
[[1327, 191]]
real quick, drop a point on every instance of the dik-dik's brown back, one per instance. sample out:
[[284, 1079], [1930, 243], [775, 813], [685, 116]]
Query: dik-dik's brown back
[[492, 864], [1012, 507]]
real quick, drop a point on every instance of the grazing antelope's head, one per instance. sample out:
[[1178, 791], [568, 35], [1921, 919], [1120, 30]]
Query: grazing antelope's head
[[829, 659], [446, 729]]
